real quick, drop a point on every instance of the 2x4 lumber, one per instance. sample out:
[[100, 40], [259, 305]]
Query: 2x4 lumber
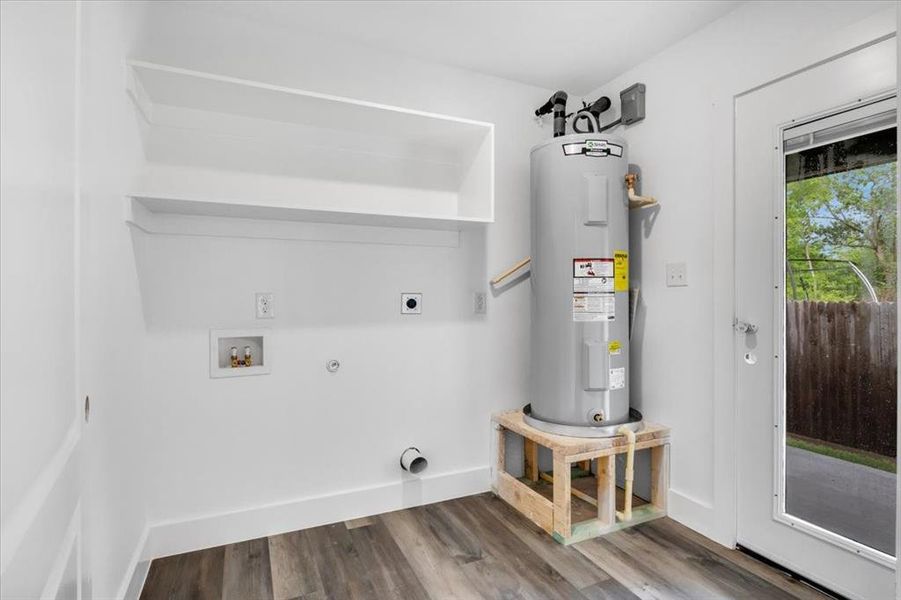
[[530, 503], [530, 459], [501, 449], [652, 443], [577, 493], [659, 476], [562, 502], [606, 503], [576, 449]]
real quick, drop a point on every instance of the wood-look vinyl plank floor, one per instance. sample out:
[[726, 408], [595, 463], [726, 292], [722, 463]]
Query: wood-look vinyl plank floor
[[472, 547]]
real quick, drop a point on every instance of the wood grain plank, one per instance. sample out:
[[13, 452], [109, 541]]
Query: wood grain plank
[[567, 561], [530, 503], [571, 446], [537, 578], [247, 571], [742, 561], [294, 571], [338, 564], [530, 459], [606, 482], [489, 573], [562, 501], [473, 547], [660, 476], [670, 566], [387, 568], [361, 522], [433, 564], [608, 590], [190, 575]]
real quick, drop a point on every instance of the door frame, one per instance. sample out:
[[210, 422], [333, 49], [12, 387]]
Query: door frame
[[779, 418], [731, 365]]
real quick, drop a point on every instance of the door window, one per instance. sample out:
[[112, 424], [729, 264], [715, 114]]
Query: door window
[[840, 395]]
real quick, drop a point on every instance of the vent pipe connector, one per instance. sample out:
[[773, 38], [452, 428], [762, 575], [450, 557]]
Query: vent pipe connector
[[557, 103]]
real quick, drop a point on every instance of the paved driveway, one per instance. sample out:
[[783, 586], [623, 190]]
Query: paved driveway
[[850, 499]]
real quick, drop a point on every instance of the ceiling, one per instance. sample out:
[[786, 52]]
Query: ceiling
[[576, 46]]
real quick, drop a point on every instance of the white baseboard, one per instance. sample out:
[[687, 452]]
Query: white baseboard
[[696, 514], [176, 536], [134, 577]]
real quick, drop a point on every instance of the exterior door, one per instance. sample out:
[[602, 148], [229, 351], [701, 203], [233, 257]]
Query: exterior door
[[815, 321]]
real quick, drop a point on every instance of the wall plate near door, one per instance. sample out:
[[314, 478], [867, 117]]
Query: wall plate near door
[[676, 275]]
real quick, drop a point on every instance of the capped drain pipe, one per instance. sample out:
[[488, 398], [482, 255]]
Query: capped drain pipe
[[626, 514], [412, 461], [557, 103]]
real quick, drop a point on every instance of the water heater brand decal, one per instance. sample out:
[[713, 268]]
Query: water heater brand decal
[[593, 298], [621, 271], [593, 148]]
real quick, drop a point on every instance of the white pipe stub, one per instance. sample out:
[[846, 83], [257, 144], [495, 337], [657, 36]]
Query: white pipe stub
[[412, 461]]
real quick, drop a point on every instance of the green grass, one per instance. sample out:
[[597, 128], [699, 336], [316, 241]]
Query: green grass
[[846, 454]]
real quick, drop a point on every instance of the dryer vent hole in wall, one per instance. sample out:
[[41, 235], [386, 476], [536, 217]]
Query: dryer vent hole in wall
[[412, 461]]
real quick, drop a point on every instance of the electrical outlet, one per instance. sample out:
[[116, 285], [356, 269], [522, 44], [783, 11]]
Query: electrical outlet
[[480, 303], [410, 304], [676, 275], [265, 308]]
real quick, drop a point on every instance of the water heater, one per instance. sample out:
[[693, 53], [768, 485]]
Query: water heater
[[580, 286]]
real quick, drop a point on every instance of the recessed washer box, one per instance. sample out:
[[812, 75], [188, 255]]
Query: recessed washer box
[[221, 342]]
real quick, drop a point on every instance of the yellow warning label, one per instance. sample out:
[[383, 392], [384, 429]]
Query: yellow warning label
[[620, 271], [615, 347]]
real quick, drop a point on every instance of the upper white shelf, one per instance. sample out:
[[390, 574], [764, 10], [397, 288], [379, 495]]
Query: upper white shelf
[[300, 155]]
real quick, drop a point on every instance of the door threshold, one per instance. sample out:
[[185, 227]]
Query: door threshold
[[794, 575]]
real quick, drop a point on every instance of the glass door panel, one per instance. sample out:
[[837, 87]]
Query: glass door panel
[[840, 248]]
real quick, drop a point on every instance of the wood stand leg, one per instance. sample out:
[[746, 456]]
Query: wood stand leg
[[501, 458], [659, 475], [607, 490], [530, 459], [562, 504]]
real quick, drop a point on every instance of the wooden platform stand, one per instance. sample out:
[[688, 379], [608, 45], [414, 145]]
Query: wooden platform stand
[[556, 516]]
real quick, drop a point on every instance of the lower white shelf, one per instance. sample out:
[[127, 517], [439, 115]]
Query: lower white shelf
[[152, 214]]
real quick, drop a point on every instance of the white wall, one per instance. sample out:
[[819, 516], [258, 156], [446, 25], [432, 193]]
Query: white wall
[[220, 447], [39, 425], [112, 325], [682, 349]]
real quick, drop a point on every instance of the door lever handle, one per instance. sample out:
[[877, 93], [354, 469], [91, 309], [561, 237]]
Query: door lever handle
[[743, 327]]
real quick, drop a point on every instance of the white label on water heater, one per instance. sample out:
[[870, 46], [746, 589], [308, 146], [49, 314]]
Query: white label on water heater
[[617, 378], [594, 307], [593, 297], [592, 275]]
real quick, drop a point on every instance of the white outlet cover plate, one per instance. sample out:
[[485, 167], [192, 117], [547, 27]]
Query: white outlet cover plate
[[676, 275], [406, 310], [479, 303], [264, 305]]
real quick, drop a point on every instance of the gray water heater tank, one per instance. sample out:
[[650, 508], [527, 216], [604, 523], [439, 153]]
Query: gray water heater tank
[[580, 283]]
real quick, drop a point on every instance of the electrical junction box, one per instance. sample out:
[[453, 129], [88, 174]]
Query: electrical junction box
[[631, 102]]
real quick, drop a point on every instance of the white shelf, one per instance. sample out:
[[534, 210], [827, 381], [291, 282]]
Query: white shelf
[[220, 146]]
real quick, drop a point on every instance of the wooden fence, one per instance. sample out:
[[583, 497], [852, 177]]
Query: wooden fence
[[841, 373]]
